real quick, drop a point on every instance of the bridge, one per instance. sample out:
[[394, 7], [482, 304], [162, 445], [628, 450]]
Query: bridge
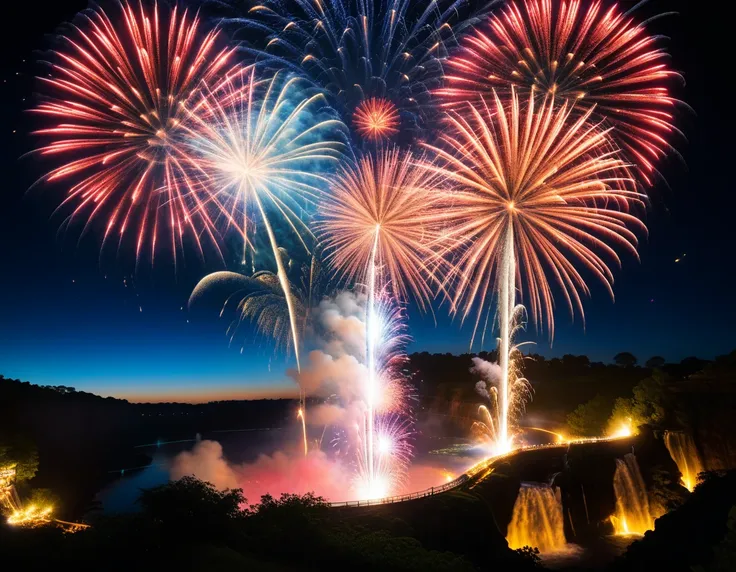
[[475, 472]]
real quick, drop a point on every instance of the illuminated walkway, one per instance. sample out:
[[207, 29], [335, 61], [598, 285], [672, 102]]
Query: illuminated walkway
[[479, 470]]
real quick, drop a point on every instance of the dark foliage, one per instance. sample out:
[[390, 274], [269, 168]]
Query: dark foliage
[[190, 525], [625, 359]]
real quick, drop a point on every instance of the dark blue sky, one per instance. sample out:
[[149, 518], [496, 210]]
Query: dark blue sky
[[69, 316]]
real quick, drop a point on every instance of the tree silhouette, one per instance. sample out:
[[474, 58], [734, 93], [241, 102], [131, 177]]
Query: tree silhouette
[[655, 362], [625, 359]]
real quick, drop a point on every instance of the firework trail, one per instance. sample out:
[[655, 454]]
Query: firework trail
[[116, 91], [357, 50], [579, 52], [537, 191], [384, 446], [256, 149], [379, 225], [260, 300]]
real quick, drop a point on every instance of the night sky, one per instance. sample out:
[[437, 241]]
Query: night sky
[[71, 316]]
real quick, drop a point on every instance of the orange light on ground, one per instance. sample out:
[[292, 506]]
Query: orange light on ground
[[30, 516]]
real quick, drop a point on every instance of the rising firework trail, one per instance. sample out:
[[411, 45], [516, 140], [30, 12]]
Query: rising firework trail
[[537, 190], [379, 225], [573, 51], [385, 450], [356, 50], [116, 93], [256, 149]]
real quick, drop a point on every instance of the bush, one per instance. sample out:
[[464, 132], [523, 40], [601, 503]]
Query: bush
[[588, 419]]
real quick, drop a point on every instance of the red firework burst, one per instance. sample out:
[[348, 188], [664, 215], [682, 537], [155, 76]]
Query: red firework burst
[[590, 54], [117, 89], [376, 118]]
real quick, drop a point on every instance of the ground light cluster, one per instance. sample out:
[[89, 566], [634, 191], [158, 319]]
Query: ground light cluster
[[366, 157]]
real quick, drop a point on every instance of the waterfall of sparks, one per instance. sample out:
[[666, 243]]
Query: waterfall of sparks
[[632, 514], [537, 519], [9, 501], [372, 335], [506, 317], [684, 453], [286, 287]]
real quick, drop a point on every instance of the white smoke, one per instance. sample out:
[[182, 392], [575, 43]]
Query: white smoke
[[334, 372], [334, 369], [490, 374], [206, 462], [482, 390], [340, 326]]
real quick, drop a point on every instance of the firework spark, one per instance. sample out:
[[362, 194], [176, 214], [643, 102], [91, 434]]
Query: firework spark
[[118, 88], [258, 300], [382, 214], [360, 49], [376, 119], [262, 301], [537, 191], [255, 149], [579, 52]]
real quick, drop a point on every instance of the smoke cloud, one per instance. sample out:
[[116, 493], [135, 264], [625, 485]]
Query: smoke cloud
[[273, 474], [287, 472], [490, 374], [206, 462], [334, 369]]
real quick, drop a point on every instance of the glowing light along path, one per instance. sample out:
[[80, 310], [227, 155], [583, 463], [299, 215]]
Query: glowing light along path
[[477, 469]]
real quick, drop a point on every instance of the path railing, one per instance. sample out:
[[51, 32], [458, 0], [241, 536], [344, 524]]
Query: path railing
[[410, 496]]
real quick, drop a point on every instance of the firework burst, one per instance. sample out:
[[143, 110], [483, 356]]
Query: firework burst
[[379, 225], [376, 119], [255, 149], [542, 182], [570, 51], [537, 191], [118, 87], [382, 214], [258, 300], [360, 49]]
